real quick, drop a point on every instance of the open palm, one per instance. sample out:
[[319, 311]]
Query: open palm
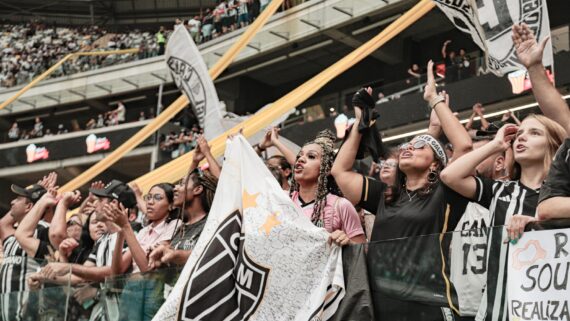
[[528, 50]]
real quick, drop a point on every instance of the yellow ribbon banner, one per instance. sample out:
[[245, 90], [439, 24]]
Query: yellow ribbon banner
[[174, 108], [177, 168]]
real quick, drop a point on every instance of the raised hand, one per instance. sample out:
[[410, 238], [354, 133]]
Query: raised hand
[[430, 91], [267, 141], [136, 189], [49, 181], [528, 50], [506, 135], [117, 214], [203, 143], [49, 199], [71, 198]]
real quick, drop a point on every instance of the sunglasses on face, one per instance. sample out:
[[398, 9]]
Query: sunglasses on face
[[391, 164], [419, 144], [72, 222], [155, 197]]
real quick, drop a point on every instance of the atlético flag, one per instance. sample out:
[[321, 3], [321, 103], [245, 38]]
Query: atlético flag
[[489, 23], [191, 76], [259, 257]]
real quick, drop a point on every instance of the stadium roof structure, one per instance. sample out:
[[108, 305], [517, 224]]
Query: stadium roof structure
[[102, 12]]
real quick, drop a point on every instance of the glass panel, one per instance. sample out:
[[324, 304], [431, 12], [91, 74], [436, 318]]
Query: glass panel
[[22, 299]]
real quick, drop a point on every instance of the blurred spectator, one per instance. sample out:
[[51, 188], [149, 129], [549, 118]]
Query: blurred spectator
[[100, 121], [463, 64], [141, 116], [449, 59], [194, 28], [61, 129], [161, 40], [14, 132], [415, 73], [243, 18], [38, 130]]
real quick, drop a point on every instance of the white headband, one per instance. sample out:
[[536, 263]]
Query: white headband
[[436, 147]]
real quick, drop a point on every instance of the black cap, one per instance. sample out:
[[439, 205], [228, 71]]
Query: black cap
[[34, 192], [119, 191]]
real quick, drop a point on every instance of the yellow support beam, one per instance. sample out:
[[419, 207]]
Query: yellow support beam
[[53, 68], [176, 169], [175, 107]]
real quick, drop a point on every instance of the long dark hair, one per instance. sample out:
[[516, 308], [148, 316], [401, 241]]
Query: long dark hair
[[79, 254], [325, 183], [209, 183]]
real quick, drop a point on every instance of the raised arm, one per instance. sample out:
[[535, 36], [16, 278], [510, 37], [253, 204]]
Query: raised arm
[[451, 126], [479, 110], [271, 138], [141, 204], [350, 182], [457, 175], [25, 231], [530, 54], [444, 49], [7, 226], [214, 167], [58, 226]]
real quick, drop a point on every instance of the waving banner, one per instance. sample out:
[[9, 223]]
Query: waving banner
[[259, 257], [539, 267], [191, 76], [489, 24]]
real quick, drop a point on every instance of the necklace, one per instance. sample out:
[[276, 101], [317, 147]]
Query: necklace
[[412, 195]]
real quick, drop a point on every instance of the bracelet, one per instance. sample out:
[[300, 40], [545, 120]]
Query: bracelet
[[261, 149], [438, 99]]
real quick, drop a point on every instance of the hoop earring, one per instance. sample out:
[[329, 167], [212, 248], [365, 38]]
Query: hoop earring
[[432, 177]]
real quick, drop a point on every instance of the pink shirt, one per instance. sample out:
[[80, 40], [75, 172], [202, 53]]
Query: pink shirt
[[338, 214], [149, 236]]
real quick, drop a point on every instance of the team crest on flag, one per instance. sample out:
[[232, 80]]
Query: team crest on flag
[[191, 76], [489, 23], [259, 257]]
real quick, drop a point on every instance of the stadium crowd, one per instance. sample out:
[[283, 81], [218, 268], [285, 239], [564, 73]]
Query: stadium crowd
[[27, 50], [511, 175], [111, 118]]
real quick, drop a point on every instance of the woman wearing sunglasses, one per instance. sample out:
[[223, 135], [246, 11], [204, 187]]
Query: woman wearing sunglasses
[[142, 296], [421, 205]]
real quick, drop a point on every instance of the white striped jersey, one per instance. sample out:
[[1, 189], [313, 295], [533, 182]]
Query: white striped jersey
[[14, 270], [102, 253], [503, 199], [468, 268]]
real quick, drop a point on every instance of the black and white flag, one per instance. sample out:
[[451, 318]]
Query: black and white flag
[[489, 23], [190, 75], [259, 257]]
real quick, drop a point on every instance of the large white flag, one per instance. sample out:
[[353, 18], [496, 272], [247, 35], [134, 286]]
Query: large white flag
[[489, 23], [259, 257], [191, 76]]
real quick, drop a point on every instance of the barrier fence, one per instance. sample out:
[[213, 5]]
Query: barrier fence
[[408, 278]]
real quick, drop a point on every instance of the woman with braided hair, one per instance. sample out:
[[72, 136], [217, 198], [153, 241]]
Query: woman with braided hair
[[315, 191]]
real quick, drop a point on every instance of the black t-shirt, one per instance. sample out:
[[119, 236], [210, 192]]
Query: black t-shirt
[[405, 258], [187, 235], [412, 214], [557, 182], [45, 250]]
